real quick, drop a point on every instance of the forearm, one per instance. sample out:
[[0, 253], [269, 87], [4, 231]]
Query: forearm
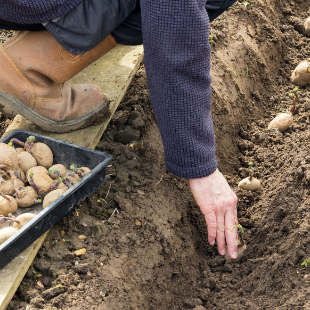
[[177, 59]]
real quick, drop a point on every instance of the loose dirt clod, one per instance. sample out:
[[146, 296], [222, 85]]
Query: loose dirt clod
[[282, 121], [301, 74]]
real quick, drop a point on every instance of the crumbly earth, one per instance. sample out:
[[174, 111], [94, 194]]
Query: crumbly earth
[[146, 243]]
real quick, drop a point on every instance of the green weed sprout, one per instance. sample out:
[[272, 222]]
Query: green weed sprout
[[246, 3], [251, 169], [294, 96], [240, 229], [305, 263]]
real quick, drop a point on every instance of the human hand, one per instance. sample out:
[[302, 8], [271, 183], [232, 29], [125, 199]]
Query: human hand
[[218, 204]]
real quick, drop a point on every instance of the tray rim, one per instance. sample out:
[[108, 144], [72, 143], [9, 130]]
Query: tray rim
[[44, 212]]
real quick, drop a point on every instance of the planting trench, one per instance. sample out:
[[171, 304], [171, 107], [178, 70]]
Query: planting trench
[[146, 241]]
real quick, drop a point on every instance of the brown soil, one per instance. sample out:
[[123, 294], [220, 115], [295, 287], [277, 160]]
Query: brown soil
[[146, 241]]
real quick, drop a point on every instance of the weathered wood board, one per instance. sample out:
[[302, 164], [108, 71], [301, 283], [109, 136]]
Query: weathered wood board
[[113, 74]]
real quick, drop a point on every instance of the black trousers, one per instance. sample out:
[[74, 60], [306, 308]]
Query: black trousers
[[91, 21]]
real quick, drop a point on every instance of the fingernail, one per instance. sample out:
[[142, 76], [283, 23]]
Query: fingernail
[[212, 243], [222, 252], [234, 255]]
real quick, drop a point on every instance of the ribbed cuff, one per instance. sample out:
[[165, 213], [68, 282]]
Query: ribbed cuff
[[193, 172]]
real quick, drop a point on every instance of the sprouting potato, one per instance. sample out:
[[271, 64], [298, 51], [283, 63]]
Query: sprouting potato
[[8, 156], [52, 196], [82, 171], [41, 182], [301, 74], [23, 219], [282, 121], [6, 233], [71, 178], [250, 184], [26, 196], [34, 170], [57, 171], [8, 187], [307, 26], [26, 161], [43, 154], [7, 205]]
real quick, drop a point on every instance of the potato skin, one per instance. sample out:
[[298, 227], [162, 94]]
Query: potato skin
[[52, 196], [26, 196], [26, 161], [282, 121], [42, 181], [301, 74], [8, 205], [34, 170], [43, 154], [6, 233], [8, 156], [60, 168], [23, 219]]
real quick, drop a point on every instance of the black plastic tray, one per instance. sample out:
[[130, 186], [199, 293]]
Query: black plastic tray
[[66, 154]]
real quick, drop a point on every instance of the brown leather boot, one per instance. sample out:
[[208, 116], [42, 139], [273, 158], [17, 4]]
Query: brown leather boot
[[34, 69]]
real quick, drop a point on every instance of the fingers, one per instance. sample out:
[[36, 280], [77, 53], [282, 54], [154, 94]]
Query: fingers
[[231, 232], [220, 234], [211, 225]]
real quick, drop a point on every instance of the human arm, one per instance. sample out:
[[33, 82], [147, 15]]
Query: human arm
[[177, 60]]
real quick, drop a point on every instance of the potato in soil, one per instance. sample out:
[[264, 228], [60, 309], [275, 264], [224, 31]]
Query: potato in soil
[[301, 74], [282, 121], [250, 184]]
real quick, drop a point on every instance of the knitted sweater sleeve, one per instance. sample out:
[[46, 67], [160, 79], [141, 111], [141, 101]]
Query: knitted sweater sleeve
[[177, 60]]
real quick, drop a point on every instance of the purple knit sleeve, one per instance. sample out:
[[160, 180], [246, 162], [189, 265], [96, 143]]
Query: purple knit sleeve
[[177, 60]]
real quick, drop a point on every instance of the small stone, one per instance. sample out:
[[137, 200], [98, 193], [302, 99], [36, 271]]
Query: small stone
[[82, 237], [80, 252], [138, 223]]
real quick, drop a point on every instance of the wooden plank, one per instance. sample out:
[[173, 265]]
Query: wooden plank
[[113, 74]]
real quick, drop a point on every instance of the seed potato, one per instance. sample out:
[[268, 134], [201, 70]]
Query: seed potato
[[301, 74], [7, 205], [23, 219], [282, 121], [6, 233]]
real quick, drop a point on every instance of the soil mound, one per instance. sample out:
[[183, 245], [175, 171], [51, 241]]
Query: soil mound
[[145, 239]]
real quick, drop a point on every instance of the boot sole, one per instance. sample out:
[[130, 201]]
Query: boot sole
[[92, 118]]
